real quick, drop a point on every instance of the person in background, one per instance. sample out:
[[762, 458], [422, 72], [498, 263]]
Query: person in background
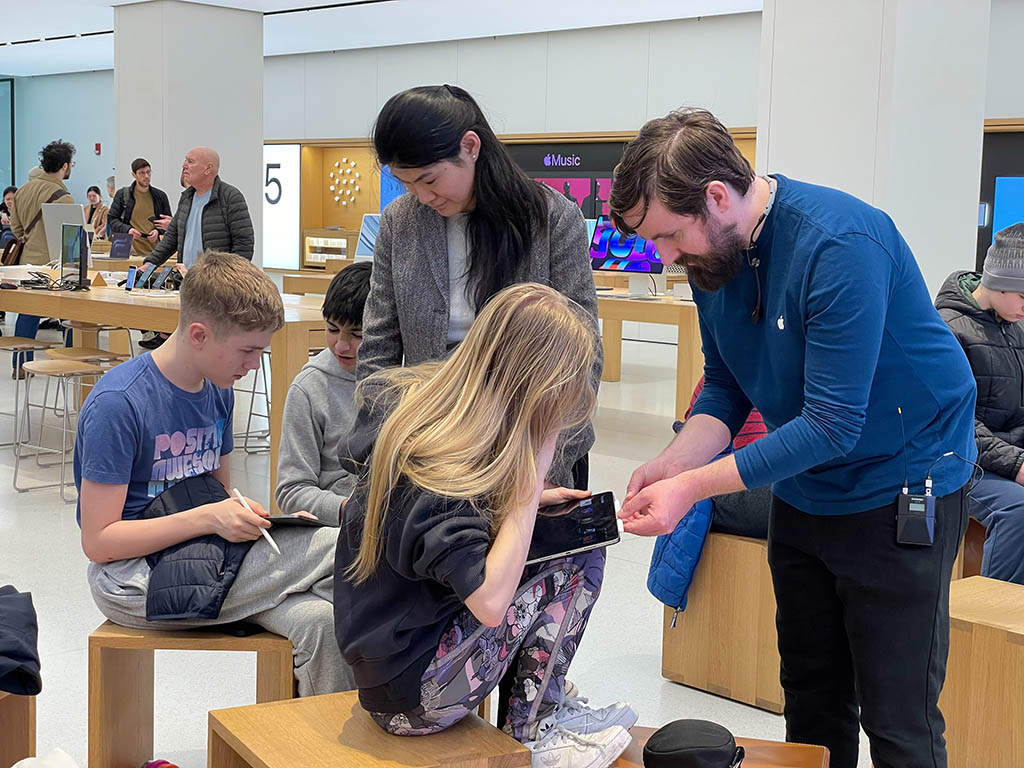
[[96, 213], [211, 214], [134, 207], [6, 206], [45, 186], [111, 188], [319, 410], [984, 311]]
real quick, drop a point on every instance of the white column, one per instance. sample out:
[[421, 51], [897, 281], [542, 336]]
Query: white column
[[190, 75], [884, 99]]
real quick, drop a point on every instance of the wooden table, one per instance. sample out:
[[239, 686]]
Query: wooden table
[[17, 727], [760, 754], [333, 730], [613, 308], [158, 311], [983, 698]]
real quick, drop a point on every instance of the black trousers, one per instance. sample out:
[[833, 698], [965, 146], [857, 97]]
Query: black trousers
[[863, 626]]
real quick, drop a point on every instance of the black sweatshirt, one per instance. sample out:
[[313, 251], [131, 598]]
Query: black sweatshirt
[[434, 548]]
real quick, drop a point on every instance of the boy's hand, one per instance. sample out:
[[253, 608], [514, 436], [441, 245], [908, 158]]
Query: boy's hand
[[233, 522], [552, 496]]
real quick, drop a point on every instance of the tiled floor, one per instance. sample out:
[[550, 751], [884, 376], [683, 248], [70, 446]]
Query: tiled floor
[[619, 659]]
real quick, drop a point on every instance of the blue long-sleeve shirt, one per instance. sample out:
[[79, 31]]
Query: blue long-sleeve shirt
[[849, 335]]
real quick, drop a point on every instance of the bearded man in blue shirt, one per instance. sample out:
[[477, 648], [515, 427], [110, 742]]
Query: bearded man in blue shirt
[[813, 310]]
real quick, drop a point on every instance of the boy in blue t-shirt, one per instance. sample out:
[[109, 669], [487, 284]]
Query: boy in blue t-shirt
[[166, 416]]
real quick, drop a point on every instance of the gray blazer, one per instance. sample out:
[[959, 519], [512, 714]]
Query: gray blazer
[[406, 315]]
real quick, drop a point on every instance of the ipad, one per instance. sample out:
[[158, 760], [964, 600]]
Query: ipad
[[298, 520], [573, 527]]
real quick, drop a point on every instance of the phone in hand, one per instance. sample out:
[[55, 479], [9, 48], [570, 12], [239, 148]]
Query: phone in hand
[[574, 526]]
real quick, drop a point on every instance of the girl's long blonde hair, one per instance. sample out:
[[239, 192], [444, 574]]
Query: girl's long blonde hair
[[469, 428]]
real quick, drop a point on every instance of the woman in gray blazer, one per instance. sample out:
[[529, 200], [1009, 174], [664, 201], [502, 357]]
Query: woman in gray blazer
[[471, 224]]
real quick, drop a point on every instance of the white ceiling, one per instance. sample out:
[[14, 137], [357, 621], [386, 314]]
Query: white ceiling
[[360, 24]]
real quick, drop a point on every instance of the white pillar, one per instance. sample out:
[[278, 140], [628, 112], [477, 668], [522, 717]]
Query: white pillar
[[190, 75], [884, 99]]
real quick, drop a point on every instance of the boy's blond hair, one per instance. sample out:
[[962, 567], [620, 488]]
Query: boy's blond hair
[[229, 294]]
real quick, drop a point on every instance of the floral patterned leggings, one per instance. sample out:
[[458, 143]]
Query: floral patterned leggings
[[545, 620]]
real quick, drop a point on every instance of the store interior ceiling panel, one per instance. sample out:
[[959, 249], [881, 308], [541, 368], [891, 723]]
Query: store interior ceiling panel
[[41, 37]]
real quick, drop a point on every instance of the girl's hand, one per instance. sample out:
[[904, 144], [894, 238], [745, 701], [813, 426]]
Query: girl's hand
[[552, 496]]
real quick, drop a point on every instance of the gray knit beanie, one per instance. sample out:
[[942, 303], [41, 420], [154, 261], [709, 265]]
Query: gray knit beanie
[[1004, 262]]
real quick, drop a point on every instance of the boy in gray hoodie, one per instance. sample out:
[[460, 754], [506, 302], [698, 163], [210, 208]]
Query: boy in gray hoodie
[[319, 410]]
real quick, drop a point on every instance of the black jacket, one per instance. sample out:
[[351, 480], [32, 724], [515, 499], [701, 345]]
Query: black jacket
[[191, 579], [121, 207], [995, 350], [226, 224], [432, 559], [19, 638]]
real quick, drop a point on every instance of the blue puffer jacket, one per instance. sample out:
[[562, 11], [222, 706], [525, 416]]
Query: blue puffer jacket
[[677, 555], [190, 580]]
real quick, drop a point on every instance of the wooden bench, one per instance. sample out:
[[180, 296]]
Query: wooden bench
[[333, 730], [760, 754], [983, 698], [121, 683], [17, 728], [725, 641]]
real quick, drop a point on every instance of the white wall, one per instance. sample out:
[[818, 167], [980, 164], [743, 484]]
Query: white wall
[[1004, 86], [76, 108], [605, 79]]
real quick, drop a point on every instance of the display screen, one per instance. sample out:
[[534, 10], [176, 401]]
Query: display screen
[[615, 251], [1008, 207], [368, 236], [143, 276], [74, 250], [574, 526]]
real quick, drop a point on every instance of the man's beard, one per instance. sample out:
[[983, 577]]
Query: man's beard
[[722, 262]]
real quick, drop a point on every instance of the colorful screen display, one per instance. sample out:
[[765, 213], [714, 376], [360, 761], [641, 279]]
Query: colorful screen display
[[617, 252]]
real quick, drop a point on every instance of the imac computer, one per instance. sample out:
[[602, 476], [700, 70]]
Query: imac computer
[[614, 251], [367, 237], [74, 256]]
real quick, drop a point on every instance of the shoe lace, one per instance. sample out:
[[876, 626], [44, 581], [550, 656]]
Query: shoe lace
[[558, 736], [573, 705]]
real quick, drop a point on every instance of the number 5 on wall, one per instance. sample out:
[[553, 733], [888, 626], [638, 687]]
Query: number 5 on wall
[[272, 180]]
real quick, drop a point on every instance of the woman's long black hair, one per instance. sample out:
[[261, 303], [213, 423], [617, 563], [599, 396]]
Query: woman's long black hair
[[425, 125]]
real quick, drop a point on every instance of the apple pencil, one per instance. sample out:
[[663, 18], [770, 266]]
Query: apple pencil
[[244, 503]]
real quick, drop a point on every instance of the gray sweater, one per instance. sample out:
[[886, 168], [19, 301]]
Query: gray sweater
[[318, 414], [407, 312]]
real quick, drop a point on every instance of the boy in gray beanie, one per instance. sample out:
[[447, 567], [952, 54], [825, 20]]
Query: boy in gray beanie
[[983, 311]]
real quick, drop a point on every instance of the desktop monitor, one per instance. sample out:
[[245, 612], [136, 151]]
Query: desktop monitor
[[367, 236], [55, 216], [615, 251], [74, 254]]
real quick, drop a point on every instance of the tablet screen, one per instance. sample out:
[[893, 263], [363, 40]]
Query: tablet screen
[[573, 527]]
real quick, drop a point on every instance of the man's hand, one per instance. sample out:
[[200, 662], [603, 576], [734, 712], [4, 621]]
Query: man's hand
[[1020, 476], [656, 469], [233, 522], [552, 496], [153, 236], [162, 223], [134, 232], [658, 507]]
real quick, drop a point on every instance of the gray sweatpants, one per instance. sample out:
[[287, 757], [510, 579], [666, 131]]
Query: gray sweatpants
[[291, 595]]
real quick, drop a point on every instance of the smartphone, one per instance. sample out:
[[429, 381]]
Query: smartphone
[[155, 219], [162, 277], [575, 526], [130, 282], [144, 275]]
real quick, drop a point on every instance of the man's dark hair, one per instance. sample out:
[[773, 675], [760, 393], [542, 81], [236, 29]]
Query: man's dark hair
[[673, 159], [55, 154], [346, 295], [139, 163]]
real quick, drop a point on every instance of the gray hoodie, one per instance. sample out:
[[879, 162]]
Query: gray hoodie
[[318, 414]]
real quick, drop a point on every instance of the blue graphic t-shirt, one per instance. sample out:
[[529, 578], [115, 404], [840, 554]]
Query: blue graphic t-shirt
[[137, 428]]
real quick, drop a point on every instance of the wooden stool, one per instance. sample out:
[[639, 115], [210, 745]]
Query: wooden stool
[[86, 355], [18, 733], [19, 346], [121, 683], [725, 641], [760, 754], [90, 332], [64, 371], [334, 730], [983, 698]]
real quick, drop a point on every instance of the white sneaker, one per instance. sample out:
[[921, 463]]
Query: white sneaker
[[559, 748], [573, 715]]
